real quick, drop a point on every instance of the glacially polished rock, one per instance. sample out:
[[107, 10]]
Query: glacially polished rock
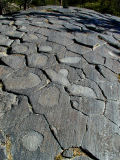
[[59, 85]]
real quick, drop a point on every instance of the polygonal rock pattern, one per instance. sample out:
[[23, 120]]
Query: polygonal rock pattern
[[103, 134], [59, 85], [64, 126], [34, 139]]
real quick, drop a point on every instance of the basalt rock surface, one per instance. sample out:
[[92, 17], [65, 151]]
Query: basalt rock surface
[[59, 85]]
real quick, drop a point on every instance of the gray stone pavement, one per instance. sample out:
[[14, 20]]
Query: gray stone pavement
[[59, 85]]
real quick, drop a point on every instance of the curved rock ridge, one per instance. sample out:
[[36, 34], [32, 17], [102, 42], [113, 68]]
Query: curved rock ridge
[[59, 85]]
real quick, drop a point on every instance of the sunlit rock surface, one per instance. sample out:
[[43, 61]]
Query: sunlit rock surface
[[59, 85]]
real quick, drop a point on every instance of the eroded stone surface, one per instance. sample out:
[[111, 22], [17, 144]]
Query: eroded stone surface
[[36, 60], [59, 85], [5, 41], [79, 49], [111, 40], [18, 82], [70, 60], [60, 77], [88, 105], [14, 61], [60, 39], [19, 49], [111, 90], [101, 136], [32, 140], [6, 102], [50, 97], [112, 111], [89, 40], [14, 34], [45, 48], [25, 48], [72, 27], [80, 90], [3, 51], [82, 158], [4, 71]]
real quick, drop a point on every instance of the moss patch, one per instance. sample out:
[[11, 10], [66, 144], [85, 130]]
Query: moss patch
[[119, 77], [77, 152], [59, 157], [8, 148], [1, 85]]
